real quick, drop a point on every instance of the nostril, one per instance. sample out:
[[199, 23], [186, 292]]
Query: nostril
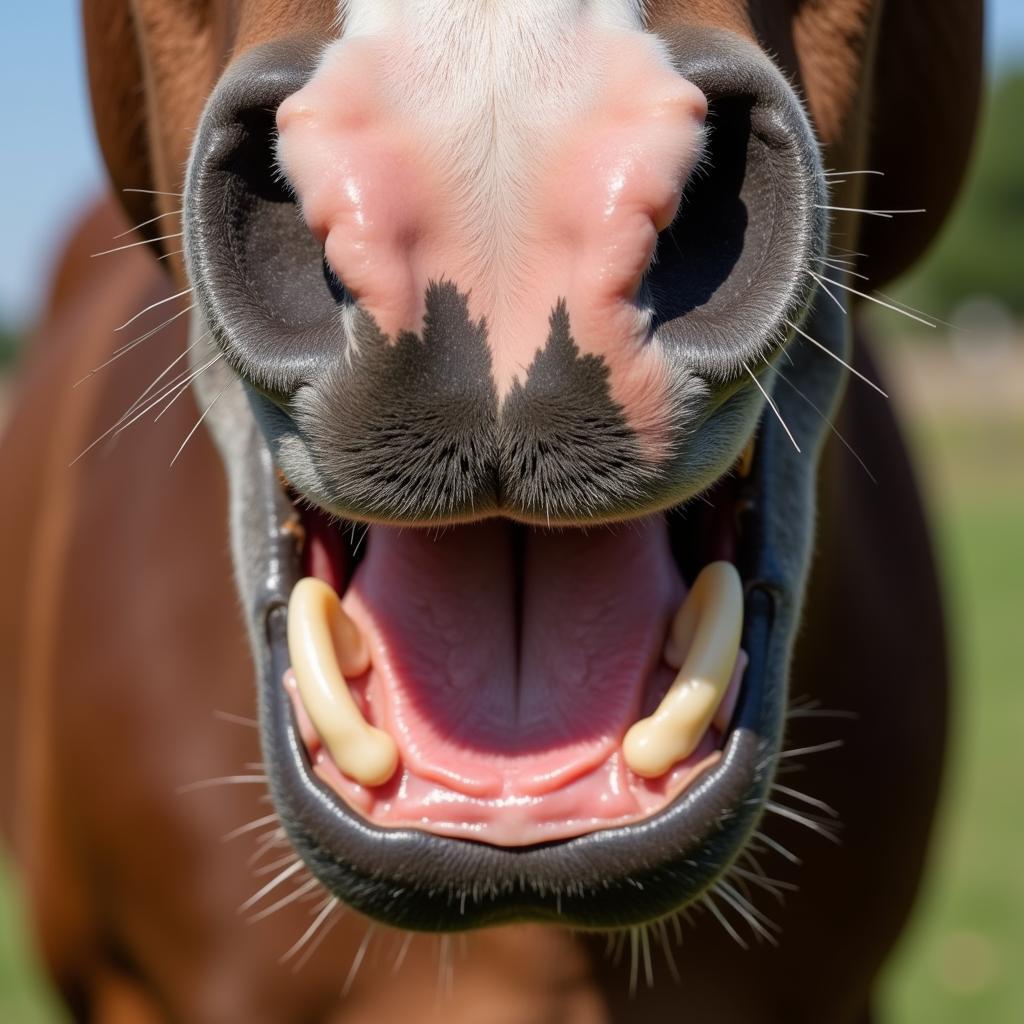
[[730, 268], [269, 299]]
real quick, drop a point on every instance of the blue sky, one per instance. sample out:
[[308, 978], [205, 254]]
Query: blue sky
[[42, 80]]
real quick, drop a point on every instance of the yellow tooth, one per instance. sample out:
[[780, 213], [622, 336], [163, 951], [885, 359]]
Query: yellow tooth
[[707, 628], [325, 645]]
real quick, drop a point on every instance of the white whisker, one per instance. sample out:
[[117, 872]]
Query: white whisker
[[828, 291], [357, 961], [153, 192], [775, 408], [325, 912], [775, 845], [225, 780], [230, 716], [128, 346], [248, 827], [160, 376], [759, 924], [267, 869], [135, 245], [198, 423], [835, 430], [804, 751], [296, 867], [708, 901], [180, 387], [307, 887], [402, 953], [154, 305], [812, 801], [801, 819], [871, 298], [146, 223], [667, 951], [184, 385], [887, 214]]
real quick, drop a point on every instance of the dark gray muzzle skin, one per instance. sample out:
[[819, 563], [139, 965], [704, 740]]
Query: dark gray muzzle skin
[[616, 877]]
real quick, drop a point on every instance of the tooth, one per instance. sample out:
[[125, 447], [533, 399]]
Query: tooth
[[325, 645], [707, 629]]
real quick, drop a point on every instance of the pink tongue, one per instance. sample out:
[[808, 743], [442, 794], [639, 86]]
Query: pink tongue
[[509, 661]]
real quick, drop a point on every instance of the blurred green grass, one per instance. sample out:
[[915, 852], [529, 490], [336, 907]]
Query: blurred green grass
[[961, 960]]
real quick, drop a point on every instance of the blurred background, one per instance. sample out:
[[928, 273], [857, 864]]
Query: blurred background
[[961, 392]]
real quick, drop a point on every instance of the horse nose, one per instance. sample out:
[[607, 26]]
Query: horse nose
[[521, 198], [457, 296]]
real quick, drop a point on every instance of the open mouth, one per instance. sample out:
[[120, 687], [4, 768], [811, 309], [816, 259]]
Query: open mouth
[[473, 711], [488, 813], [512, 684]]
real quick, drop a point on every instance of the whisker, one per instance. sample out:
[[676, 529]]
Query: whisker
[[325, 912], [887, 214], [198, 423], [759, 924], [146, 223], [667, 951], [835, 430], [160, 376], [154, 305], [184, 385], [708, 901], [357, 960], [267, 869], [128, 346], [153, 192], [265, 843], [224, 780], [445, 967], [801, 819], [402, 953], [250, 826], [230, 716], [307, 887], [844, 267], [296, 867], [871, 298], [804, 751], [828, 291], [772, 886], [775, 408], [812, 801], [135, 245], [775, 845], [850, 174], [121, 425]]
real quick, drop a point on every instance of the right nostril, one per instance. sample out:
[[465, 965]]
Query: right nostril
[[258, 270]]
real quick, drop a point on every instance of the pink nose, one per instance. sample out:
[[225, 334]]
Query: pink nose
[[524, 196]]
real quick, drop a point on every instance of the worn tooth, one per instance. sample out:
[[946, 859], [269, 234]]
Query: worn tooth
[[325, 645], [707, 628]]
